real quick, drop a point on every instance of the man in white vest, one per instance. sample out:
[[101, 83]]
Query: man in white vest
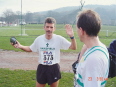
[[93, 66]]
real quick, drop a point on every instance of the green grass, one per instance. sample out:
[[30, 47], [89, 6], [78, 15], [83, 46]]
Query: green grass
[[22, 78], [28, 40], [37, 29], [7, 32], [27, 78], [24, 40]]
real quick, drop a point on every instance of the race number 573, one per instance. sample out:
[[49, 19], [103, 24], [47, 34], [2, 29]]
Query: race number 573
[[48, 57]]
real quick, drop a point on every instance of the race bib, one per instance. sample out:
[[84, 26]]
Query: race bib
[[48, 57]]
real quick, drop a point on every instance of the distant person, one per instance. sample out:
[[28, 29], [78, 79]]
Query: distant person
[[48, 46], [93, 67]]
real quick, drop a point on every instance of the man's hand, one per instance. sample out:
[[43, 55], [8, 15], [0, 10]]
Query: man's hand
[[25, 48], [17, 45], [69, 30]]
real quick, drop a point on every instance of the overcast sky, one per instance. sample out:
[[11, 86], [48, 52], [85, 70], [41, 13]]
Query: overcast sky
[[43, 5]]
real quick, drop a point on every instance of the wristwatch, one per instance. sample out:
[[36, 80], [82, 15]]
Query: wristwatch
[[72, 37]]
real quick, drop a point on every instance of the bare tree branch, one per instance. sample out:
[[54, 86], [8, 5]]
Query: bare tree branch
[[82, 4]]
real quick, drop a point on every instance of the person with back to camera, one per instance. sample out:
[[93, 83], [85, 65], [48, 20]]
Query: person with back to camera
[[93, 67], [48, 46]]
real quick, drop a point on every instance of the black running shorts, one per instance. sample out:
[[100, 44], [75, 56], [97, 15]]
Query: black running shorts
[[48, 74]]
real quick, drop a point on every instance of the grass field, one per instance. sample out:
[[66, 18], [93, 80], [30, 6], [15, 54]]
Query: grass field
[[21, 78], [35, 30]]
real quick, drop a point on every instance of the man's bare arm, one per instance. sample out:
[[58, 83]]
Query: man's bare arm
[[70, 32], [25, 48]]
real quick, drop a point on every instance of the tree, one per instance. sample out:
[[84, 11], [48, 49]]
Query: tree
[[9, 16], [29, 17], [18, 14], [2, 19]]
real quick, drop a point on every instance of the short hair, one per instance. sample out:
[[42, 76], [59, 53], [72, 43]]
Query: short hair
[[50, 20], [89, 21]]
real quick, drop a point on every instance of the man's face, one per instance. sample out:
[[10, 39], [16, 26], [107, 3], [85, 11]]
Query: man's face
[[49, 28], [79, 33]]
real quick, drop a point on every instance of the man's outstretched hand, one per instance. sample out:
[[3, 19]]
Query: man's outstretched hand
[[69, 30]]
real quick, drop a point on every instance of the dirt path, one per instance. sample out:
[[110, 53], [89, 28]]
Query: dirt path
[[29, 61]]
